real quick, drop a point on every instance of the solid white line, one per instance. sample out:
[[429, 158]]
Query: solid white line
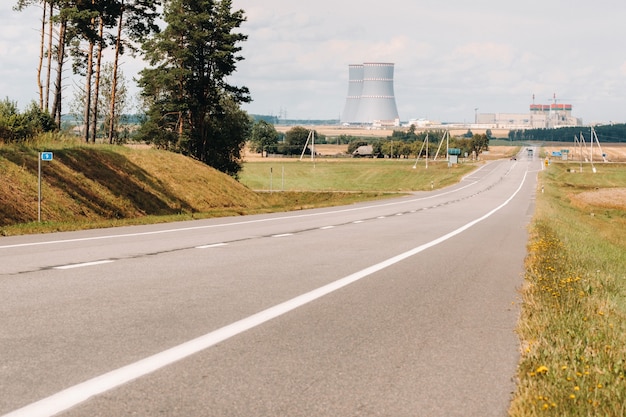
[[84, 264], [213, 245], [77, 394]]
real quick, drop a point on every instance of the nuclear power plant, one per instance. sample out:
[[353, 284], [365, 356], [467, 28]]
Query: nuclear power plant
[[371, 99], [541, 116]]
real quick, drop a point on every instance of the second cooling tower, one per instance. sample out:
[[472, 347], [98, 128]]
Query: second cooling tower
[[371, 96]]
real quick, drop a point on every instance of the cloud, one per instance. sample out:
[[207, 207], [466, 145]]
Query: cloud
[[449, 57]]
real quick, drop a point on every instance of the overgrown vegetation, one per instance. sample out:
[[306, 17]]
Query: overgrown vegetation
[[573, 324]]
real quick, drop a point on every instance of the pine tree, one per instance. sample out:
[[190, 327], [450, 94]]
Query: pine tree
[[187, 88]]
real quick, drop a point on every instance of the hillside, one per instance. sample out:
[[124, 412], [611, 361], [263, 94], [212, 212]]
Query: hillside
[[94, 183], [87, 186]]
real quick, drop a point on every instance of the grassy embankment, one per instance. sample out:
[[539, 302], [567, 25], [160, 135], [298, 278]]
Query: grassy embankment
[[88, 186], [573, 324]]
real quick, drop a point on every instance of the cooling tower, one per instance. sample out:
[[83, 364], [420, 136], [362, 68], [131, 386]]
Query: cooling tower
[[355, 86], [370, 94]]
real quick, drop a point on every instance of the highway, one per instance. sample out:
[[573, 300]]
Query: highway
[[402, 307]]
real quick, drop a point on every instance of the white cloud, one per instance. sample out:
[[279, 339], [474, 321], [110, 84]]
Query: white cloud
[[449, 57]]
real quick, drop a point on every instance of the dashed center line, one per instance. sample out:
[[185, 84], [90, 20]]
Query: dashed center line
[[283, 235], [213, 245], [74, 395], [84, 264]]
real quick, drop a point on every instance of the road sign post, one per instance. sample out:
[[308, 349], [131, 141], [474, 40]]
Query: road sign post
[[43, 156]]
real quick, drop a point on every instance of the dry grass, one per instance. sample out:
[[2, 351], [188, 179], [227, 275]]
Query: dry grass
[[612, 198], [615, 152]]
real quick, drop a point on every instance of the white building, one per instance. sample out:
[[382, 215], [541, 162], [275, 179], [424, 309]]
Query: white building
[[539, 116]]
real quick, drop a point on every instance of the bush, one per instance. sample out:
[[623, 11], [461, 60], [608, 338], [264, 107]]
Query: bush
[[18, 127]]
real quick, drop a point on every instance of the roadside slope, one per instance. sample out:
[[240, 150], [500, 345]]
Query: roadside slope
[[91, 183]]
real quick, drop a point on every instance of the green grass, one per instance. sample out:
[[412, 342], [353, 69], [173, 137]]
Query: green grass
[[397, 175], [573, 323]]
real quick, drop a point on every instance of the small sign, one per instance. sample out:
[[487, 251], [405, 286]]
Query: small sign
[[46, 156]]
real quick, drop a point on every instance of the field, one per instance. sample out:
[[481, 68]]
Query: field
[[348, 174], [615, 152]]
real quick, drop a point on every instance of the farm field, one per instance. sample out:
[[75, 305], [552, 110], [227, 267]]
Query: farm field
[[615, 152]]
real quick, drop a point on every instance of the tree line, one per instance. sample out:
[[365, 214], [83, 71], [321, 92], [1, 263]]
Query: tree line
[[613, 133], [191, 47], [79, 32], [401, 144]]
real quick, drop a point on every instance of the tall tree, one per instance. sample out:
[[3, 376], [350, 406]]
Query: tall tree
[[60, 60], [111, 78], [47, 21], [136, 21], [187, 88]]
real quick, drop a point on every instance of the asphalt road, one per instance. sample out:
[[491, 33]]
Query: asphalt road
[[403, 307]]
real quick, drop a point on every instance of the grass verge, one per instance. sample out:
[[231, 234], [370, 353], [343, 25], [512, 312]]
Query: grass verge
[[573, 323]]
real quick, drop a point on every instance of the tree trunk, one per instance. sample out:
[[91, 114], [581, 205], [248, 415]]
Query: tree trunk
[[88, 89], [94, 125], [114, 78], [49, 69], [41, 52], [56, 106]]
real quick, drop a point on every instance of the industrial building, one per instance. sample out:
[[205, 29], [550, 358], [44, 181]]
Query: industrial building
[[371, 99], [540, 116]]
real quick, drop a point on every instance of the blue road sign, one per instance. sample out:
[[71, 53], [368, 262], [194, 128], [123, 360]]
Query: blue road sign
[[46, 156]]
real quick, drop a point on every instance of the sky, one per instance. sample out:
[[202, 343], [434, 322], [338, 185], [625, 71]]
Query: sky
[[452, 58]]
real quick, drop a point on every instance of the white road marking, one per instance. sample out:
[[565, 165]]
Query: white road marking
[[77, 394], [327, 227], [84, 264], [358, 221], [283, 235], [213, 245]]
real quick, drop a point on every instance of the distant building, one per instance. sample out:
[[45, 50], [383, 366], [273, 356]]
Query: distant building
[[371, 99], [540, 116]]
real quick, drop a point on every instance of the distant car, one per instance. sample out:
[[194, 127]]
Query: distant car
[[513, 158]]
